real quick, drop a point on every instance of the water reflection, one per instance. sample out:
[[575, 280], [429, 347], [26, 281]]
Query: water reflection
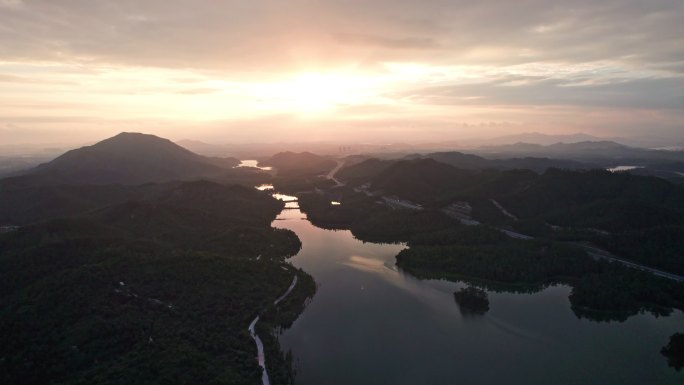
[[370, 323], [254, 164], [264, 187], [365, 264], [285, 198], [623, 168]]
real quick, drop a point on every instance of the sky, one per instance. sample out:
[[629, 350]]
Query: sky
[[352, 70]]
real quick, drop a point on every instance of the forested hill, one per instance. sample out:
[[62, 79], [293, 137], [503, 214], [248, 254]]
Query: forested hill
[[155, 290], [422, 179], [429, 181], [154, 283], [583, 151], [362, 171], [537, 164], [667, 165], [129, 158], [637, 217], [299, 164], [126, 167]]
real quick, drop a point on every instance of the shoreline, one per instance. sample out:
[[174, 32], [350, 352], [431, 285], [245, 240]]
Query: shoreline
[[261, 356]]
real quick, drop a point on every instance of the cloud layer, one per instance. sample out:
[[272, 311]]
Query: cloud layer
[[532, 63]]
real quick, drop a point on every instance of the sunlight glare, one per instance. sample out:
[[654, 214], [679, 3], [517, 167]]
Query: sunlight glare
[[314, 93]]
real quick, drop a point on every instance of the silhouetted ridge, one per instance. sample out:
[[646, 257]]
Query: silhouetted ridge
[[297, 164], [131, 158], [421, 179], [537, 164]]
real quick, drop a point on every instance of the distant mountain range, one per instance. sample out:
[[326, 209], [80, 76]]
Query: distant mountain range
[[538, 158], [621, 201], [130, 158], [576, 148], [133, 158], [590, 151], [544, 139], [548, 139], [571, 156], [537, 164]]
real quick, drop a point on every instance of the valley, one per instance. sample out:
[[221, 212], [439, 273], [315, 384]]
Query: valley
[[330, 254]]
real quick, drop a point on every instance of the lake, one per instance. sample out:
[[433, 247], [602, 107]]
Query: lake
[[254, 164], [623, 168], [372, 324]]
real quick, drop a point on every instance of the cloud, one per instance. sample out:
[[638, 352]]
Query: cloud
[[665, 93], [504, 60], [410, 43], [270, 35], [9, 78], [12, 4]]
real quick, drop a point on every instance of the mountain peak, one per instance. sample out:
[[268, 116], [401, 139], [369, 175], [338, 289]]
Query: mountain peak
[[125, 134], [130, 158], [136, 139], [134, 136]]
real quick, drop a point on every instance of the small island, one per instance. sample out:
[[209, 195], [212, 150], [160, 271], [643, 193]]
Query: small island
[[472, 300], [674, 351]]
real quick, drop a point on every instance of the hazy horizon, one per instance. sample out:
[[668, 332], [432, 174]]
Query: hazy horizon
[[262, 148], [343, 71]]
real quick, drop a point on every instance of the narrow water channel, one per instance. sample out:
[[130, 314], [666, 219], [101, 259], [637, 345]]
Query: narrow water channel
[[371, 324]]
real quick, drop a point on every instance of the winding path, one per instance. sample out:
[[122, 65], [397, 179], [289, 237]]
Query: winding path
[[593, 251], [503, 210], [260, 346], [331, 174], [597, 253]]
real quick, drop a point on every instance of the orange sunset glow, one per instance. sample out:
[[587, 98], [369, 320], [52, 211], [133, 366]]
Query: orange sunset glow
[[432, 70]]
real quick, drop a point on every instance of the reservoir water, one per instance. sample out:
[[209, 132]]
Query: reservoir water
[[623, 168], [254, 164], [371, 324]]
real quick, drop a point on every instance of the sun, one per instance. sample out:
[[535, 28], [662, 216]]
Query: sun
[[315, 93]]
